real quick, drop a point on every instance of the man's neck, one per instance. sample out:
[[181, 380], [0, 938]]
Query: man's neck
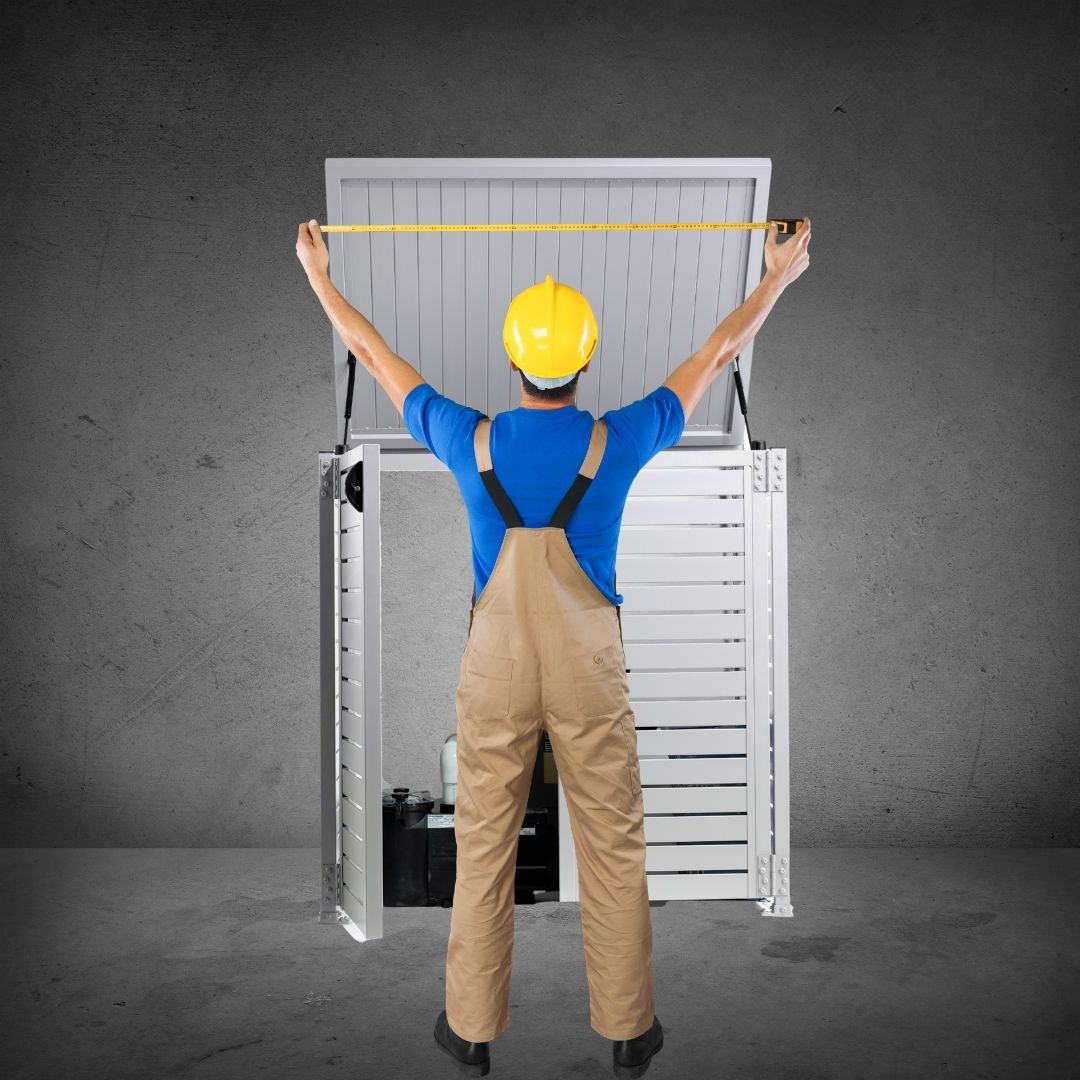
[[533, 403]]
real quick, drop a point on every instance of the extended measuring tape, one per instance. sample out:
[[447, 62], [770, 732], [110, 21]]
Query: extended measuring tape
[[783, 225]]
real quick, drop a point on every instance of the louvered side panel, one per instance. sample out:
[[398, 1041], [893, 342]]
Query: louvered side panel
[[681, 568], [359, 719], [329, 684]]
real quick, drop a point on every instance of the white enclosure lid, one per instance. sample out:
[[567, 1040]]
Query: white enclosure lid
[[439, 298]]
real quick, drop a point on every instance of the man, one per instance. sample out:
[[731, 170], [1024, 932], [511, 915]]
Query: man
[[545, 648]]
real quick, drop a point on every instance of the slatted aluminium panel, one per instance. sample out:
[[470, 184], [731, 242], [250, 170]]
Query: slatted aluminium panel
[[439, 299], [686, 575], [351, 709]]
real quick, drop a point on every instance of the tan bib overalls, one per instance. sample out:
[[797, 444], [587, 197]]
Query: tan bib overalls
[[545, 652]]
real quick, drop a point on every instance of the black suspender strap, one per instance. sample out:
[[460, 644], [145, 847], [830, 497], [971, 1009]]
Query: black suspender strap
[[570, 501], [565, 509], [482, 452], [501, 499]]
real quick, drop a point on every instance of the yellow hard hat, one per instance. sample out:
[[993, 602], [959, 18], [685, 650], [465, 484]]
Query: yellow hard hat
[[550, 332]]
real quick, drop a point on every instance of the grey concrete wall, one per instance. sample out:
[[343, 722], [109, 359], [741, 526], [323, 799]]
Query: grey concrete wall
[[167, 385]]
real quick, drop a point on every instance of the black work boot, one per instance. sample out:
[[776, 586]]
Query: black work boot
[[472, 1058], [631, 1057]]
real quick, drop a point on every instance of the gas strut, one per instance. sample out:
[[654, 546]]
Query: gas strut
[[340, 448], [760, 444]]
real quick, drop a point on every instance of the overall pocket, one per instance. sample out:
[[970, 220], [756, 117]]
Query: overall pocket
[[485, 683], [600, 681]]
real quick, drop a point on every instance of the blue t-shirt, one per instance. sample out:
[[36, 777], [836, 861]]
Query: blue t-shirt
[[536, 454]]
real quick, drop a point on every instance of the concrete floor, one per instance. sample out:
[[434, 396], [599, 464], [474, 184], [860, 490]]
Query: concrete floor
[[212, 963]]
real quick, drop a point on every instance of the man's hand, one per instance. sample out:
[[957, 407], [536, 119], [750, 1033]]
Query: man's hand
[[791, 259], [311, 249]]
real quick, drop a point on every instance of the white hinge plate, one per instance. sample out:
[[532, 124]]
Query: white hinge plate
[[770, 469], [774, 882]]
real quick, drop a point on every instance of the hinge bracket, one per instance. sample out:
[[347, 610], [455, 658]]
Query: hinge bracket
[[331, 897], [774, 881], [770, 469]]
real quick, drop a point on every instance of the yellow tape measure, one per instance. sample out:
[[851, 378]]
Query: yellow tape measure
[[783, 225]]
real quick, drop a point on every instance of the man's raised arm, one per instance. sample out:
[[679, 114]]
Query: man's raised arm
[[395, 375], [784, 263]]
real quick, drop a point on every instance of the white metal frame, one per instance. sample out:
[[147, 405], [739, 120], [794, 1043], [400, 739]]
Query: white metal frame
[[734, 600]]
